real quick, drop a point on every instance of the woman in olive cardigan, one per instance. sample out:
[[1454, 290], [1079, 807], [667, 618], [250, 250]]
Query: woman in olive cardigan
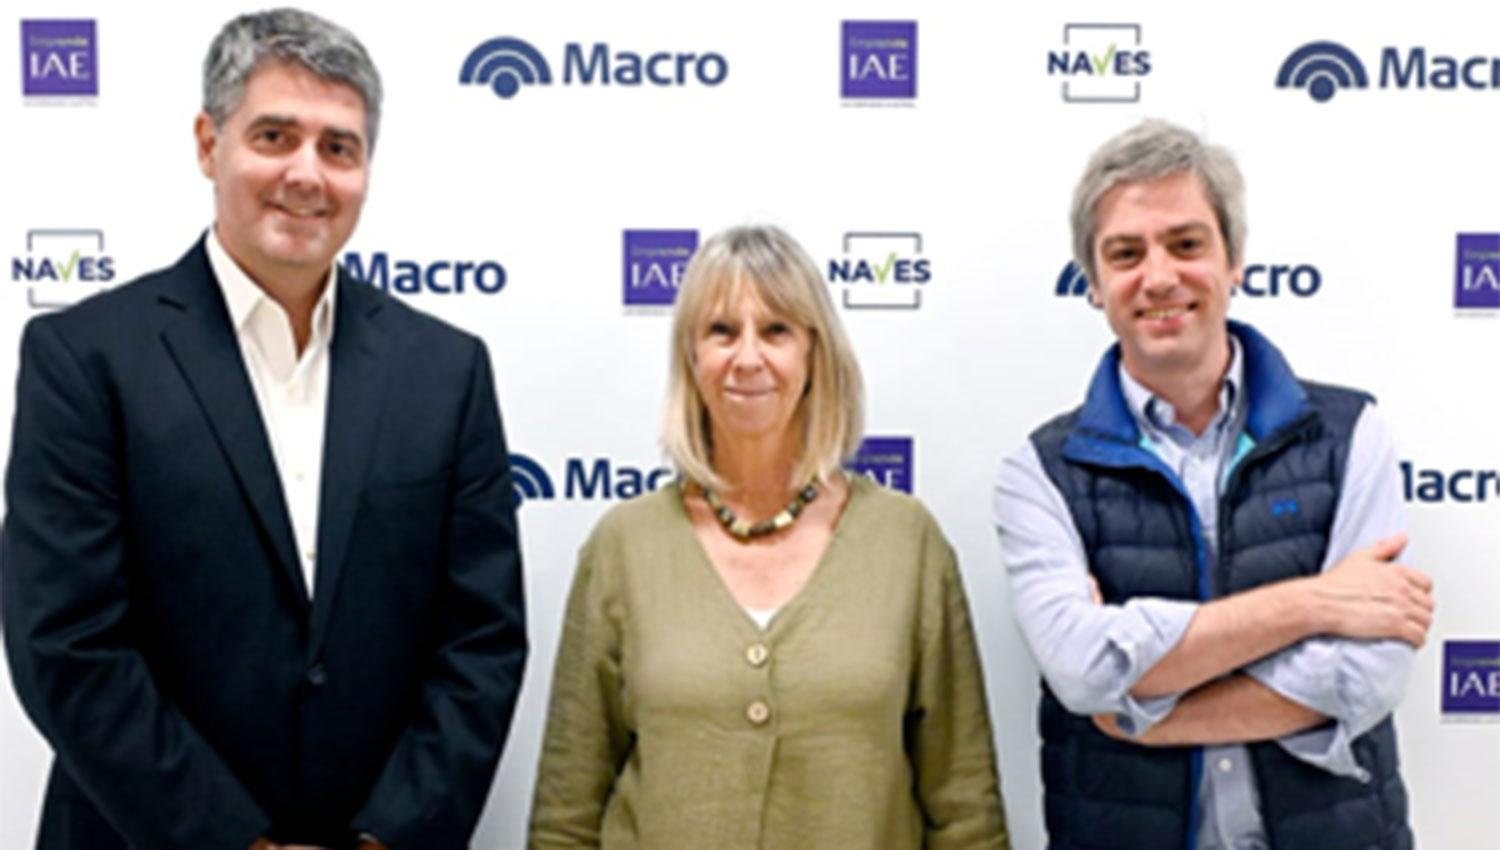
[[808, 680]]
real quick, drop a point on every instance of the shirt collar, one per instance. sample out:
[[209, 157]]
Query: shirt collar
[[242, 295], [1154, 414]]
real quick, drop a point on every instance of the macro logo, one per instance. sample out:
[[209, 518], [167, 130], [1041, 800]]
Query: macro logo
[[1261, 280], [1471, 678], [62, 267], [885, 460], [1072, 282], [1100, 63], [1437, 486], [528, 480], [655, 261], [878, 60], [1476, 278], [584, 479], [440, 277], [59, 59], [506, 64], [881, 271], [1324, 67]]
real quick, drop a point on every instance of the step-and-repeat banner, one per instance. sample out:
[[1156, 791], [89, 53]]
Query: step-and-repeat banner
[[924, 153]]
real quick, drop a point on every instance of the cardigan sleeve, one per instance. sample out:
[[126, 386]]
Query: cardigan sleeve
[[586, 741], [952, 747]]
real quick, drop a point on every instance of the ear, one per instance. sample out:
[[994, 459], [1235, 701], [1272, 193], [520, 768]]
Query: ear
[[206, 138], [1094, 300]]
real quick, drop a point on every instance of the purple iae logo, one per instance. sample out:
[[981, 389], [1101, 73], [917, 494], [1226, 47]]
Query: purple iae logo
[[1476, 279], [1471, 677], [654, 263], [885, 460], [879, 59], [59, 58]]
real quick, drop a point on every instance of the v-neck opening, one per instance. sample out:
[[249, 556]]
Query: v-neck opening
[[857, 486]]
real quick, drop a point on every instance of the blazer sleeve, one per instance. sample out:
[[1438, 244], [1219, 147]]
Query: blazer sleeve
[[587, 740], [952, 746], [433, 787], [66, 612]]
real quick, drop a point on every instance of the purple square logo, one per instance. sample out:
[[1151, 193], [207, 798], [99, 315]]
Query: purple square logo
[[885, 460], [59, 59], [879, 59], [654, 263], [1476, 281], [1471, 677]]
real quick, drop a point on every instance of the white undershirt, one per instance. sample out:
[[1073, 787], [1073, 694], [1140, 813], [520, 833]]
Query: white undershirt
[[761, 616], [291, 391]]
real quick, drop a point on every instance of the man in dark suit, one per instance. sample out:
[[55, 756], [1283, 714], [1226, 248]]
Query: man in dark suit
[[261, 578]]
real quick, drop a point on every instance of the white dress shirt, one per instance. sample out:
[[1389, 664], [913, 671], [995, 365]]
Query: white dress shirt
[[290, 390]]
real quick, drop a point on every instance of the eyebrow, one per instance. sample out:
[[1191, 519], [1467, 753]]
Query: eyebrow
[[1178, 230], [339, 133]]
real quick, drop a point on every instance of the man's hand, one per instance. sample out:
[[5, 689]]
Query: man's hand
[[1369, 596], [268, 844]]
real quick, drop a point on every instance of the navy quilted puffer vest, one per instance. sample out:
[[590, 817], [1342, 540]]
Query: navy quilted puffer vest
[[1142, 539]]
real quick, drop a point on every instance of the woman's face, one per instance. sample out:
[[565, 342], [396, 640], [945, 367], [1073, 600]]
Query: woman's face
[[751, 367]]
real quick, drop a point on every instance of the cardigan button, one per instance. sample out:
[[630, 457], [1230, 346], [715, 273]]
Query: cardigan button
[[758, 713], [757, 654]]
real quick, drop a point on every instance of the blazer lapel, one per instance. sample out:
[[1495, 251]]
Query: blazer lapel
[[203, 345], [356, 389]]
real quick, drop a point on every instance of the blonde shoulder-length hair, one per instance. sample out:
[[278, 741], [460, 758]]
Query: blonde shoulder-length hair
[[832, 409]]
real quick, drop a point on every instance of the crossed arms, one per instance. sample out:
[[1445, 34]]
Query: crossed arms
[[1269, 663]]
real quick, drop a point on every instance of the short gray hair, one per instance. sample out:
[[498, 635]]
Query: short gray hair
[[1150, 150], [287, 35]]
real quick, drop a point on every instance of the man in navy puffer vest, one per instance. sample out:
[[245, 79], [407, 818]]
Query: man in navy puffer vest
[[1202, 555]]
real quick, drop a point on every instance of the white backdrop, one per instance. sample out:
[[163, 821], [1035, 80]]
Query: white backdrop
[[1370, 189]]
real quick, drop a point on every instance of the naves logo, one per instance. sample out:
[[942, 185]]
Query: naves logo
[[1471, 678], [410, 277], [881, 271], [1300, 280], [1476, 280], [1324, 67], [60, 59], [507, 64], [655, 261], [879, 60], [1100, 63], [62, 267]]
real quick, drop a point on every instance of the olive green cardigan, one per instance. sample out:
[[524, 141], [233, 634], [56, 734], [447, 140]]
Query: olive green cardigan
[[857, 719]]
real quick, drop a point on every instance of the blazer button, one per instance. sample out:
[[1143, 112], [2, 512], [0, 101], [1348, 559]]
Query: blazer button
[[317, 675], [758, 713], [757, 654]]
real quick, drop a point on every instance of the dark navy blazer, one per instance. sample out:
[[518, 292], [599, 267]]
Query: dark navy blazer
[[156, 619]]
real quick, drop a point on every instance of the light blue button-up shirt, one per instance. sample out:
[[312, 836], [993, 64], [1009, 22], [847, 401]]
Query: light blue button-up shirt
[[1092, 655]]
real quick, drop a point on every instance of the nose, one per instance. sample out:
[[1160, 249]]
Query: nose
[[304, 168], [1159, 271], [748, 353]]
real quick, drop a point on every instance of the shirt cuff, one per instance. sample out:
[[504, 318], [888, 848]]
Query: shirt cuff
[[1150, 629], [1309, 674], [1329, 747], [1139, 716]]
